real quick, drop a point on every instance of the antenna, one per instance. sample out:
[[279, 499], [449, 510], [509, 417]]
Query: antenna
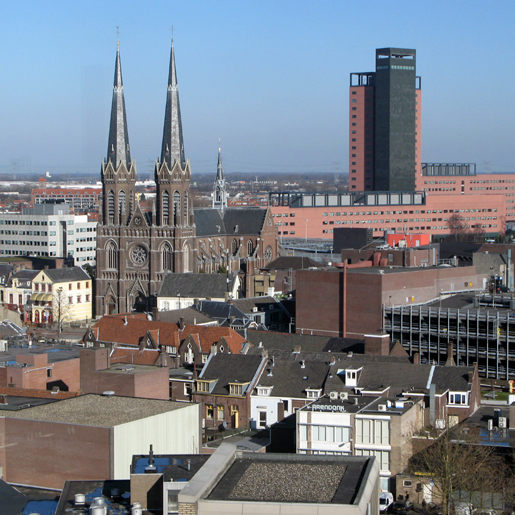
[[117, 35]]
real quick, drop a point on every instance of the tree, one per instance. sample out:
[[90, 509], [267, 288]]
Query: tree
[[463, 470], [457, 227], [60, 309]]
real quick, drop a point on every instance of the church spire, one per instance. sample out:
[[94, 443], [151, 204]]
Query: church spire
[[173, 146], [118, 150], [220, 186]]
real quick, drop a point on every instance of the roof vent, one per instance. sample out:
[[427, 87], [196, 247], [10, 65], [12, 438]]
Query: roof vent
[[136, 509], [80, 500], [108, 393], [381, 407], [333, 395], [350, 354], [302, 364]]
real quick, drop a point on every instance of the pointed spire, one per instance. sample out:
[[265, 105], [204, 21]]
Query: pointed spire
[[118, 150], [172, 149], [219, 170]]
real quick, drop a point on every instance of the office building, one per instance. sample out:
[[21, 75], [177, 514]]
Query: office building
[[48, 230], [384, 112]]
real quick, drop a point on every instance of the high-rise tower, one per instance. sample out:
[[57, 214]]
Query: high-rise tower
[[384, 112]]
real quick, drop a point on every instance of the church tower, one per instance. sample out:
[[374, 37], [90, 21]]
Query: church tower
[[220, 186], [118, 171], [174, 209]]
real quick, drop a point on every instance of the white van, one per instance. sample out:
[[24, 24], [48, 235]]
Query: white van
[[385, 501]]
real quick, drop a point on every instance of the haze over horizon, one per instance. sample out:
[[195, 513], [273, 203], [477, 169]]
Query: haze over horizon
[[268, 79]]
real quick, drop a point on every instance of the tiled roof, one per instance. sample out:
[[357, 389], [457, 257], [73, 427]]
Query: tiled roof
[[206, 336], [190, 316], [230, 368], [59, 275], [130, 328], [197, 285]]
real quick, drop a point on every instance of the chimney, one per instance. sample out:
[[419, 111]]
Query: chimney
[[450, 355], [377, 344], [416, 358], [471, 376], [155, 314], [181, 324], [332, 361]]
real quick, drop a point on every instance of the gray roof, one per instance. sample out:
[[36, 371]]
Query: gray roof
[[11, 500], [307, 343], [174, 467], [247, 304], [5, 271], [190, 316], [230, 368], [197, 285], [292, 262], [24, 277], [59, 275], [98, 410], [221, 311], [232, 221], [8, 328], [291, 377]]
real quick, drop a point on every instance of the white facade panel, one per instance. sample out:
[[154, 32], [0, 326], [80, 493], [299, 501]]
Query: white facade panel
[[174, 432]]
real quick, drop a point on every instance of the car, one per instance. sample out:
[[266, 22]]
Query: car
[[400, 507], [385, 501]]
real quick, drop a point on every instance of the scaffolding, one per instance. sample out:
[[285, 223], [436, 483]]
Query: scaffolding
[[484, 335]]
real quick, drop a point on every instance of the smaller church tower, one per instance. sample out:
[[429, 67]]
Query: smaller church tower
[[220, 186]]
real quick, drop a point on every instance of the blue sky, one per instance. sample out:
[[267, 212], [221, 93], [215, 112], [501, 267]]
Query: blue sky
[[270, 79]]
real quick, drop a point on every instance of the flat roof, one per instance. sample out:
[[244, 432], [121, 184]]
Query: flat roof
[[292, 479], [15, 402], [97, 410], [128, 368]]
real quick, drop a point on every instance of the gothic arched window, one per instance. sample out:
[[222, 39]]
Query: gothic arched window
[[121, 204], [110, 206], [166, 257], [250, 248], [166, 208], [176, 208], [234, 247], [185, 215], [112, 256]]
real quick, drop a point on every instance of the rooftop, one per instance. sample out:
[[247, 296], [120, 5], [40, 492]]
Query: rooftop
[[292, 479], [97, 410]]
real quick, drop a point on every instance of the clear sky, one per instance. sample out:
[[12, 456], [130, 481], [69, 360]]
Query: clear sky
[[268, 78]]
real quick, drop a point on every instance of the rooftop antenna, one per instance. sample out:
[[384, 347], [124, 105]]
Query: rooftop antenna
[[117, 35], [151, 467]]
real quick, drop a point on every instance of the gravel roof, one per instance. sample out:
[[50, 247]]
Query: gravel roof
[[265, 482], [97, 410]]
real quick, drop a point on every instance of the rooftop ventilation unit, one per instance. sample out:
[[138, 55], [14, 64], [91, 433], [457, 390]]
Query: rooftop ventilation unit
[[381, 407], [344, 396], [333, 395]]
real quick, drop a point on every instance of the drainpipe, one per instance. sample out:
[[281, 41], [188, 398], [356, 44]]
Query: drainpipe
[[345, 299], [509, 279]]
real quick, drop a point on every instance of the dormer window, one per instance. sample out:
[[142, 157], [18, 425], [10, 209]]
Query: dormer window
[[203, 386], [264, 391], [458, 398], [313, 393], [237, 388]]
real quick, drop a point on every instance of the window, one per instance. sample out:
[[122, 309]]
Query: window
[[70, 286], [79, 300], [209, 411], [202, 386], [49, 372], [236, 389], [220, 413], [70, 300], [457, 398]]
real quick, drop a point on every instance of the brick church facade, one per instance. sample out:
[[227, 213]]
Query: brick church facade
[[136, 248]]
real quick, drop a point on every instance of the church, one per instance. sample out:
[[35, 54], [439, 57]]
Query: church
[[135, 249]]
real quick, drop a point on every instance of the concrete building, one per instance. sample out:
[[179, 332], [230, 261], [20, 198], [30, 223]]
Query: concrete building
[[232, 481], [92, 437], [48, 230], [349, 301], [345, 425], [78, 198]]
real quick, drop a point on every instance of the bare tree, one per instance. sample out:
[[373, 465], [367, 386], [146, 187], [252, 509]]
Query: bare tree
[[463, 470], [60, 309], [457, 226]]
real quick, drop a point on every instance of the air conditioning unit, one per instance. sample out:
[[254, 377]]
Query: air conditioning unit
[[503, 422], [440, 423], [333, 395], [381, 407], [344, 396]]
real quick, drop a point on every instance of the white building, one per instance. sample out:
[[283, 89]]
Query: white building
[[48, 230]]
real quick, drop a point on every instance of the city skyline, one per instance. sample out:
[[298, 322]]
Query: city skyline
[[269, 80]]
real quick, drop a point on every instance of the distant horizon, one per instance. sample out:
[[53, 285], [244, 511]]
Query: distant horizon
[[268, 79]]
